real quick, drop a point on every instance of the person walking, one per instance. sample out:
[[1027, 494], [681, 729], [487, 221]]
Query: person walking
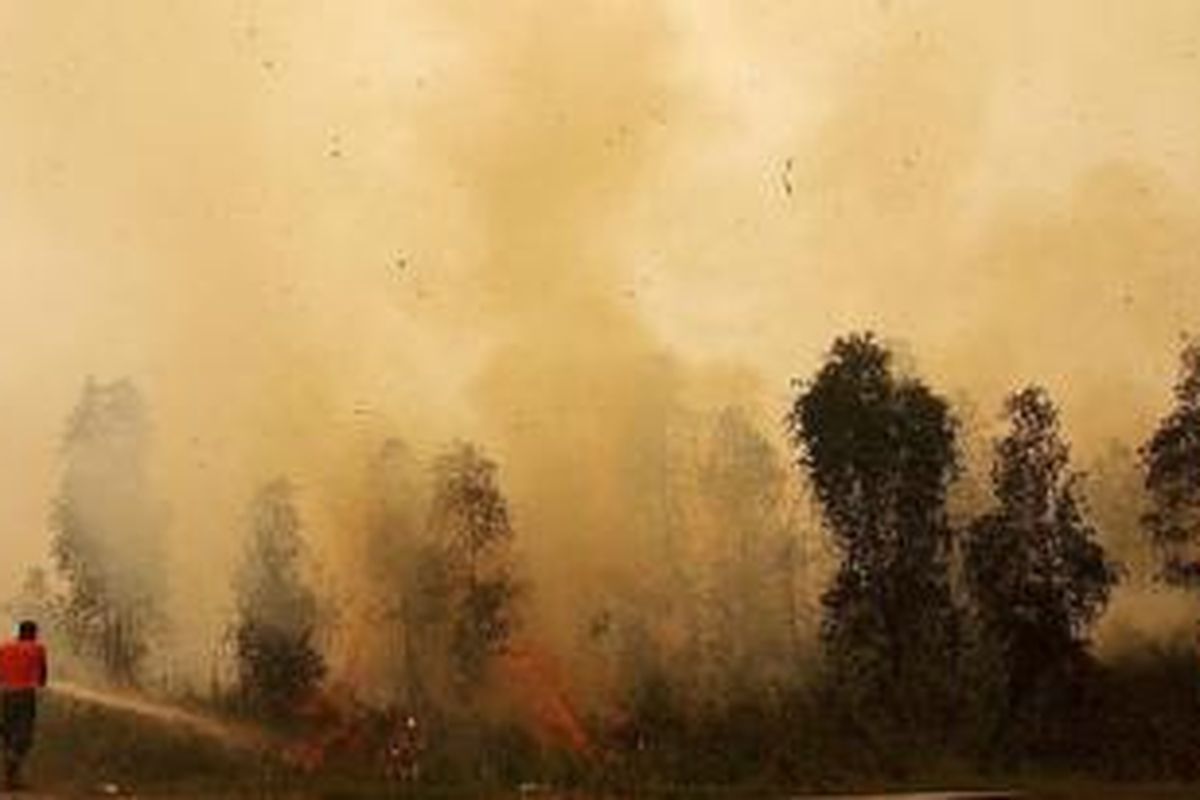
[[23, 671]]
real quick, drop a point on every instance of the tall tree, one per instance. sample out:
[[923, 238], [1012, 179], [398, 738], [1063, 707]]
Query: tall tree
[[471, 530], [274, 631], [108, 531], [1171, 459], [879, 449], [1036, 574]]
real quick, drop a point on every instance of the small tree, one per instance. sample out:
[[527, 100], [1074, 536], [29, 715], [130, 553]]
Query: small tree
[[278, 663], [880, 452], [1035, 572], [108, 532], [469, 524], [1171, 459]]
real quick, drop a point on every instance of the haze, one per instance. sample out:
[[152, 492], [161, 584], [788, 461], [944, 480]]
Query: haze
[[303, 226]]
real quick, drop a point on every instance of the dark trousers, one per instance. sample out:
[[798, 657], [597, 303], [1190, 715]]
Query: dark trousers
[[18, 711]]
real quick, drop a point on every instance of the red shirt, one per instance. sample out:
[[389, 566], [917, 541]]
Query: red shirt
[[22, 664]]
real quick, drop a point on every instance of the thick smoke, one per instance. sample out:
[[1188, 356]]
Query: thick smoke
[[573, 236]]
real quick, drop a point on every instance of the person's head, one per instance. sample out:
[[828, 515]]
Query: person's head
[[27, 629]]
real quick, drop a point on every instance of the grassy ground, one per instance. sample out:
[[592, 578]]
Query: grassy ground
[[84, 749], [87, 751]]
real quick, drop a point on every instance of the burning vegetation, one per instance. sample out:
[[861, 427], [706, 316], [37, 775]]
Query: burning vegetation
[[928, 639], [454, 443]]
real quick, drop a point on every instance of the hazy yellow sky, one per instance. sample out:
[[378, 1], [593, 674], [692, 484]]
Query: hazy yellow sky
[[301, 225]]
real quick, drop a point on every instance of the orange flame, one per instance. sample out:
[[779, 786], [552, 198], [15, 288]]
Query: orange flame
[[536, 683]]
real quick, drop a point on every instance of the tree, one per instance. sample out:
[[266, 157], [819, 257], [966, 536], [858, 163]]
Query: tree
[[278, 662], [880, 453], [1171, 459], [108, 532], [1036, 574], [392, 546], [742, 482], [470, 569]]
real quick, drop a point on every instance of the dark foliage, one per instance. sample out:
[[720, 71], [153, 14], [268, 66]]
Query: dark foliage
[[470, 565], [279, 665], [1171, 459], [880, 451], [919, 683], [1036, 575]]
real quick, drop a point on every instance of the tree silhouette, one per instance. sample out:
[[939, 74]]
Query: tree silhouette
[[880, 452], [470, 527], [1036, 575], [108, 532], [278, 663], [1171, 459]]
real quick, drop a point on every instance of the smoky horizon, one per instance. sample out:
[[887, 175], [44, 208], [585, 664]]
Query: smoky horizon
[[577, 240]]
